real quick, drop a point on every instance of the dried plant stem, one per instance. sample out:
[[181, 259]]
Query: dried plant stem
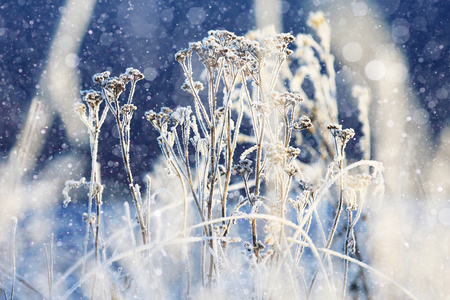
[[213, 162], [94, 132], [229, 148], [257, 185], [362, 273], [258, 155], [175, 165], [301, 248], [347, 244], [125, 146], [130, 226], [229, 161], [198, 101], [13, 277], [49, 262], [126, 162], [149, 205], [97, 228], [196, 199], [185, 249], [340, 153], [204, 261]]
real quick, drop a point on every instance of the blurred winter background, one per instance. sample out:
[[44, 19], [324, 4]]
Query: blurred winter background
[[50, 49]]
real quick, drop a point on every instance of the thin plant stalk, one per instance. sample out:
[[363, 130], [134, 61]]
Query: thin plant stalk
[[13, 279], [212, 145], [185, 248], [49, 262], [124, 144], [148, 201], [347, 244], [95, 125], [340, 153]]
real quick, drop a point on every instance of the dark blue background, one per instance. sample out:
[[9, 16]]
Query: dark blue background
[[144, 35]]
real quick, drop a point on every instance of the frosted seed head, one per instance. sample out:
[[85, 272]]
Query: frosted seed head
[[150, 115], [100, 77], [248, 247], [186, 87], [128, 108], [131, 75], [181, 115], [181, 55], [243, 168], [92, 98], [79, 108], [166, 110], [114, 85], [291, 170], [262, 108], [198, 85], [334, 127], [292, 152], [302, 124]]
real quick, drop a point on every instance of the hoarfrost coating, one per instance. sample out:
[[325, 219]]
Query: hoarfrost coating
[[391, 87]]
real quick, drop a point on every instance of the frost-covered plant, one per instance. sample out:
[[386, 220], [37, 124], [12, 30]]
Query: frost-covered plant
[[206, 148], [111, 89], [237, 155]]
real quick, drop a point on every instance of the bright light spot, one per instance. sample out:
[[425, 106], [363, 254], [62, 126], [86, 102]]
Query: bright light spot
[[400, 30], [167, 15], [150, 73], [157, 213], [440, 189], [390, 124], [352, 51], [442, 93], [444, 216], [418, 171], [375, 70], [72, 60], [420, 116], [158, 272], [432, 50], [397, 72], [196, 15], [105, 39], [359, 9]]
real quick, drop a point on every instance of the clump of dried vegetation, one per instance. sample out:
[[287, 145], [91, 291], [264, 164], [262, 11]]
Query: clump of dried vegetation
[[259, 200]]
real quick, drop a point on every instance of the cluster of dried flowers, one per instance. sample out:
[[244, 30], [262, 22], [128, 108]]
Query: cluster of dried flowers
[[239, 146]]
